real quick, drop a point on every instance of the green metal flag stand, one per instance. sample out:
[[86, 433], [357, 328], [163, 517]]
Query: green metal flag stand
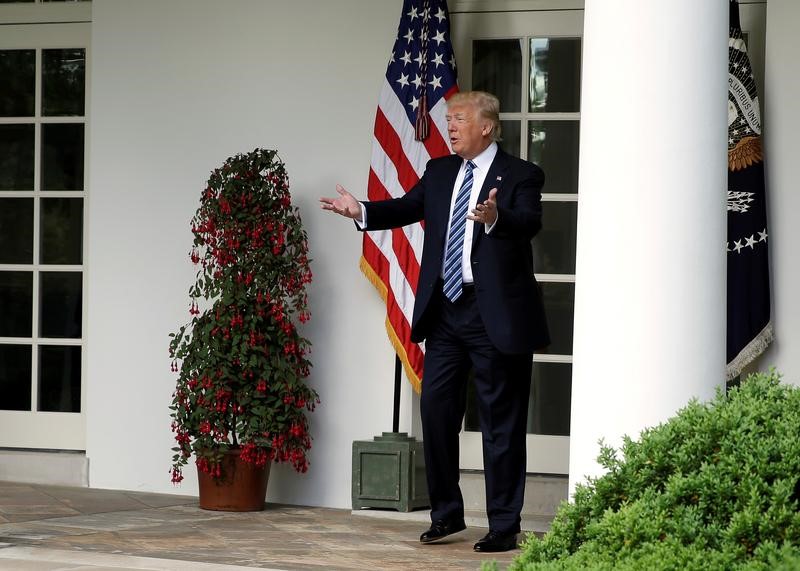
[[389, 470]]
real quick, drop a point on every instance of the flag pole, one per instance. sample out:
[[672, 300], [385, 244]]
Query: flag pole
[[396, 414]]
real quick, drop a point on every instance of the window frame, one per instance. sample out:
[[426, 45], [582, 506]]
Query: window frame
[[37, 429]]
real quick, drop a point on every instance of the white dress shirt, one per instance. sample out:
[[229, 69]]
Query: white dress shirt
[[482, 164]]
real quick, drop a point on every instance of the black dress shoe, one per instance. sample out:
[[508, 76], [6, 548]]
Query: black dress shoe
[[442, 528], [494, 542]]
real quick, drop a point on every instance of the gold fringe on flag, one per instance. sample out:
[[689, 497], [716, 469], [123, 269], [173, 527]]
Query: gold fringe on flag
[[750, 351], [746, 152], [394, 339]]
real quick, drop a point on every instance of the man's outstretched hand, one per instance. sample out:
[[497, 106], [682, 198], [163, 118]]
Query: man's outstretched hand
[[346, 204]]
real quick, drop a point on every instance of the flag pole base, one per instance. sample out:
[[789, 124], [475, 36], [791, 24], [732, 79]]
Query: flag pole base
[[389, 473]]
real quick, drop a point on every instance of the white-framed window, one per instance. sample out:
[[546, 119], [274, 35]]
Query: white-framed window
[[532, 61], [43, 158]]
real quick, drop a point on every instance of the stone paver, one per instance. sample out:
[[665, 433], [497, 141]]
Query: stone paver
[[78, 528]]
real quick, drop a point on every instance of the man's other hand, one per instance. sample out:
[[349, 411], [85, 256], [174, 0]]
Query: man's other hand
[[486, 211], [346, 204]]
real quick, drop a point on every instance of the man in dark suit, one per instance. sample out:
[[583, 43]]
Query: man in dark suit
[[477, 306]]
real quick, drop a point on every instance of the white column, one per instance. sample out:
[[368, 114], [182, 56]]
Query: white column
[[650, 273]]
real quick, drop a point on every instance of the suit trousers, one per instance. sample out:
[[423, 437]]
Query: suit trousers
[[456, 343]]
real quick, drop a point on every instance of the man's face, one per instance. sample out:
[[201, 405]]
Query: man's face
[[469, 132]]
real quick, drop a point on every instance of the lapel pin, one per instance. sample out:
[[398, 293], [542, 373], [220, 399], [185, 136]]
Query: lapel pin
[[499, 178]]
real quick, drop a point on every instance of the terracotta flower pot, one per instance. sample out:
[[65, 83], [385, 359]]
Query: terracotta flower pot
[[241, 488]]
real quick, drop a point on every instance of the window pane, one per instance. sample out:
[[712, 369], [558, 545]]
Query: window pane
[[16, 230], [62, 157], [510, 132], [17, 83], [16, 304], [549, 404], [553, 145], [61, 231], [15, 377], [497, 68], [60, 312], [555, 79], [16, 157], [559, 306], [554, 245], [59, 379], [63, 82], [551, 397]]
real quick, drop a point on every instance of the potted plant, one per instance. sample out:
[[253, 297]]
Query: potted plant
[[241, 399]]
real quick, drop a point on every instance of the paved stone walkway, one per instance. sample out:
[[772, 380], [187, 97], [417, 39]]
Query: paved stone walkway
[[50, 528]]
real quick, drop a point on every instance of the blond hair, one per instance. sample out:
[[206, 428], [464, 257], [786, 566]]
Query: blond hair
[[488, 107]]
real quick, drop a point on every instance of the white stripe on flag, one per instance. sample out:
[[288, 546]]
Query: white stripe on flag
[[438, 115], [397, 279], [386, 172]]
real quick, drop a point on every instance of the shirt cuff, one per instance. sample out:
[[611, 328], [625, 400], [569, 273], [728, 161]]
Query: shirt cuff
[[489, 227], [362, 223]]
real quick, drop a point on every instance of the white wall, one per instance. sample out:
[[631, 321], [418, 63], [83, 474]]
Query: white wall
[[176, 88], [781, 147]]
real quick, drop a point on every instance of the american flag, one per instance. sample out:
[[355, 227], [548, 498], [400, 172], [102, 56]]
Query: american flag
[[410, 129]]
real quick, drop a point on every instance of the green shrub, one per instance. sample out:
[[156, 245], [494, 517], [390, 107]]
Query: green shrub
[[715, 487]]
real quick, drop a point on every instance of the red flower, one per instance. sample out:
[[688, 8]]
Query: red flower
[[177, 476]]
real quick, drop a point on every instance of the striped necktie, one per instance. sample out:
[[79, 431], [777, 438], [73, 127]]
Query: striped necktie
[[455, 240]]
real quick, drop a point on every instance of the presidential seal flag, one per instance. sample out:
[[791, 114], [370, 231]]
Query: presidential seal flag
[[749, 322], [410, 129]]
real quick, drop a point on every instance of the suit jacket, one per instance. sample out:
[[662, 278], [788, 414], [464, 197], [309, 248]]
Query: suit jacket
[[502, 261]]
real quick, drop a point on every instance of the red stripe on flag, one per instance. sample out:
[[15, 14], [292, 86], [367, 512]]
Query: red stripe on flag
[[402, 328], [393, 147], [450, 92], [402, 248], [436, 144], [380, 264]]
